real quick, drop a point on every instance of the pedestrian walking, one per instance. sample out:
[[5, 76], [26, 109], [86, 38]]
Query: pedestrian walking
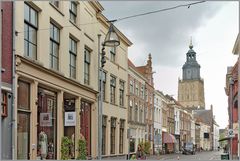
[[140, 155]]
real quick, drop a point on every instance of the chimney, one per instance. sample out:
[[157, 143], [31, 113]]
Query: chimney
[[211, 106]]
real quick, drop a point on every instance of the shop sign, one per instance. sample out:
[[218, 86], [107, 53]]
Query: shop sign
[[46, 119], [70, 118]]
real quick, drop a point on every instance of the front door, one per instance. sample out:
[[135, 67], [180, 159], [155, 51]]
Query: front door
[[85, 124]]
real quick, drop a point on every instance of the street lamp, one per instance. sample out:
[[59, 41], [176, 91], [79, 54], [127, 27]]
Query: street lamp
[[111, 40]]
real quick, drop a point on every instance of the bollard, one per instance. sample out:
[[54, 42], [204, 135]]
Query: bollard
[[178, 158]]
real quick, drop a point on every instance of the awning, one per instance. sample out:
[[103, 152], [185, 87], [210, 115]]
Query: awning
[[223, 139], [168, 138]]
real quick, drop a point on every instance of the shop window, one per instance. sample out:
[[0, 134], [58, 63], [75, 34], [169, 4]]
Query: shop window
[[113, 135], [47, 124], [132, 145], [69, 124], [4, 104], [121, 138], [85, 124], [104, 137], [23, 120]]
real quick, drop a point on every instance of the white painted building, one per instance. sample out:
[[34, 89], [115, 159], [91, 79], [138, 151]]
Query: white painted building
[[177, 128], [215, 136], [193, 131], [157, 121], [205, 136]]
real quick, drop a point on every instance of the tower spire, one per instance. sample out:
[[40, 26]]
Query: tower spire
[[191, 45]]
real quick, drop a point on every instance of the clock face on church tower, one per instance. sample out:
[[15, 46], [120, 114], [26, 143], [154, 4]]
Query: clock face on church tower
[[189, 73]]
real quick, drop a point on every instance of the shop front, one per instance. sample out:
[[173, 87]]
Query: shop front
[[50, 107], [168, 142]]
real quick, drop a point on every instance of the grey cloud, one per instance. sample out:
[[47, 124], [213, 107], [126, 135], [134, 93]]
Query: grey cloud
[[164, 34]]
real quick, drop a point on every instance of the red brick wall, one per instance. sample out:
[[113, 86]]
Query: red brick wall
[[235, 146], [7, 42]]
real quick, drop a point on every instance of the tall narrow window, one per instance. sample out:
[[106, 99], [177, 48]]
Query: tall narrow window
[[112, 53], [121, 93], [55, 3], [142, 92], [137, 90], [104, 78], [104, 137], [54, 46], [146, 95], [73, 11], [30, 32], [140, 114], [131, 86], [86, 66], [4, 104], [145, 113], [113, 133], [112, 89], [23, 120], [136, 113], [73, 56], [121, 132], [130, 110]]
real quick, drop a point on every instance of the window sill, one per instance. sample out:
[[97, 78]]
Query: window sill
[[88, 85], [33, 60], [123, 107], [56, 8], [114, 104], [56, 71], [105, 101], [74, 24]]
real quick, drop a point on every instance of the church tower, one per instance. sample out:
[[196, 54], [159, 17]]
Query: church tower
[[191, 87]]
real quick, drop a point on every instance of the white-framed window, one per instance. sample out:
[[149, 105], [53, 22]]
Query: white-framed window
[[73, 58], [112, 89], [54, 46], [30, 31], [113, 54], [73, 11], [87, 61]]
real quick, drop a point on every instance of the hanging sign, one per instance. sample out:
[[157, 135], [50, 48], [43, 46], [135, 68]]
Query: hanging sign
[[70, 118]]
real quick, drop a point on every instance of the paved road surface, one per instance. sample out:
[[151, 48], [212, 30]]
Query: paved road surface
[[211, 155]]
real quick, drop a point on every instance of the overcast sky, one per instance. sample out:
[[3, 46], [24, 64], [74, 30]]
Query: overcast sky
[[166, 35]]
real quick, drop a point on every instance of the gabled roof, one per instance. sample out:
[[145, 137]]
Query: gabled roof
[[205, 116]]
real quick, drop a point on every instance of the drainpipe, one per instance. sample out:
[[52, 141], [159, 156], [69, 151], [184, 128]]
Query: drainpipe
[[231, 83], [1, 130], [99, 102], [13, 80]]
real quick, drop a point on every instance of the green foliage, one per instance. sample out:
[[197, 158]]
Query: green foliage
[[133, 157], [82, 150], [65, 148], [146, 146]]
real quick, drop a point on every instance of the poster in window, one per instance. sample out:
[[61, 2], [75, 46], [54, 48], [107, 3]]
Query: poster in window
[[70, 118], [45, 119]]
